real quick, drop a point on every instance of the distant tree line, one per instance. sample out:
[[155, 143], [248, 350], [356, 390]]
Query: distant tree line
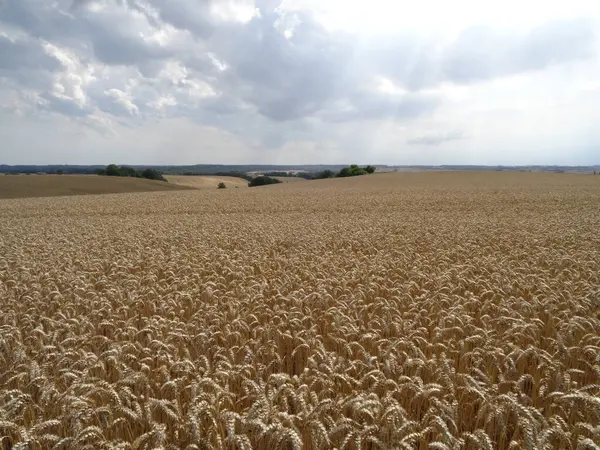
[[351, 171], [156, 172], [213, 169], [263, 181], [305, 175], [48, 169], [278, 174], [243, 175], [112, 170]]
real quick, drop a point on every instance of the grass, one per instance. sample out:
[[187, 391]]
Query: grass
[[23, 186], [417, 311]]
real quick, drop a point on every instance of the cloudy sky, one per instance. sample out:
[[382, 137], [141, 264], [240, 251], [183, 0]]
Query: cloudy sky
[[299, 81]]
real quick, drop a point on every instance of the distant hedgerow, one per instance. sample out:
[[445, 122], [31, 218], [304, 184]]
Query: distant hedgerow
[[263, 181], [112, 170], [355, 170]]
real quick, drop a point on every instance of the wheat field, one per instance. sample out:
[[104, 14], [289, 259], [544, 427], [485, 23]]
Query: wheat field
[[28, 186], [206, 181], [391, 311]]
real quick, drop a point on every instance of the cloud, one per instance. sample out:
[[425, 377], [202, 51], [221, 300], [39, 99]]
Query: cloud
[[436, 138], [185, 15], [481, 53], [284, 79], [25, 54], [270, 72], [118, 102]]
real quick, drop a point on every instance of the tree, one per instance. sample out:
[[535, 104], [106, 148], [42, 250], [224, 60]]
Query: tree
[[345, 172], [59, 172], [354, 170], [221, 186], [263, 181], [323, 175], [112, 170], [153, 174], [125, 171]]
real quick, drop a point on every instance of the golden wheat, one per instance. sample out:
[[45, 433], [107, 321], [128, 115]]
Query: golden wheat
[[396, 311]]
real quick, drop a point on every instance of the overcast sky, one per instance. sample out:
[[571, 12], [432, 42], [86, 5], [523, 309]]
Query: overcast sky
[[299, 82]]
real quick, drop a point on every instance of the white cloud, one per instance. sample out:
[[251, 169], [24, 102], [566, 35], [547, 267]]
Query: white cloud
[[299, 81], [123, 100]]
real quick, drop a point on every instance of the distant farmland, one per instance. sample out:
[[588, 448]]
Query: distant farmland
[[22, 186], [206, 181]]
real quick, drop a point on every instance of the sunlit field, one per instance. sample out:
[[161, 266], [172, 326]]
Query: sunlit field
[[389, 311], [206, 181]]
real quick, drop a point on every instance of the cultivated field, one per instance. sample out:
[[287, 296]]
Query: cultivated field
[[290, 179], [22, 186], [205, 181], [392, 311]]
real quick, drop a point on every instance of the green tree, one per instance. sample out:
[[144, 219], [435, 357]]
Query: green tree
[[125, 171], [263, 181], [112, 170], [345, 172], [354, 170], [221, 186], [370, 169], [153, 174], [324, 174]]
